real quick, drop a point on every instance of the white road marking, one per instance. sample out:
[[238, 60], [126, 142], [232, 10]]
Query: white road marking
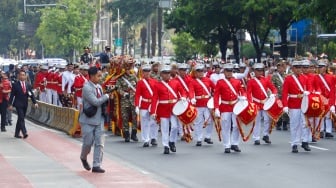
[[315, 147]]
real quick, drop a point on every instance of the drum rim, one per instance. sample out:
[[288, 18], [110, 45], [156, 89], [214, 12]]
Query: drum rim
[[177, 103]]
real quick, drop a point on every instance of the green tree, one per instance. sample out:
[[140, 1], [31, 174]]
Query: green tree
[[62, 31], [185, 47]]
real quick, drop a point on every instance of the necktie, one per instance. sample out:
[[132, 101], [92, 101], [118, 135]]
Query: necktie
[[98, 93], [23, 87]]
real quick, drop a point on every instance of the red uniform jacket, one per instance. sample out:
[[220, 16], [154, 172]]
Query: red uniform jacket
[[227, 96], [290, 87], [144, 93], [320, 86], [186, 86], [50, 80], [164, 100], [199, 93], [6, 85], [78, 84], [255, 93], [58, 79], [40, 80]]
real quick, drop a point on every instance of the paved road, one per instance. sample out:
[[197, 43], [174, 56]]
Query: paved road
[[49, 158]]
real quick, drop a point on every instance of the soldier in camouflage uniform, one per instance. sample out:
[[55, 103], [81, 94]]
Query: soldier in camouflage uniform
[[126, 85], [155, 71], [278, 78]]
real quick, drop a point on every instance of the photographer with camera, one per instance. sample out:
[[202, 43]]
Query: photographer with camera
[[92, 120], [126, 85]]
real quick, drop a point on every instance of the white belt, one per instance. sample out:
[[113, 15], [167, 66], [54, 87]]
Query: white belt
[[202, 97], [298, 96], [146, 100], [229, 102], [258, 101], [168, 101]]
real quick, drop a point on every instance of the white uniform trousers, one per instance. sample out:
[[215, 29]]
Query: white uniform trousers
[[229, 138], [48, 96], [54, 97], [203, 114], [79, 103], [149, 127], [326, 124], [256, 132], [298, 128], [43, 96], [166, 137]]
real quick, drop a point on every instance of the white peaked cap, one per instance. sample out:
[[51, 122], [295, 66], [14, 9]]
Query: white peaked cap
[[258, 66], [182, 66], [146, 67], [165, 68], [228, 66], [199, 66]]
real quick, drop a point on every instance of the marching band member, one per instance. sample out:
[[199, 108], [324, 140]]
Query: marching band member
[[41, 82], [67, 79], [49, 84], [184, 80], [216, 75], [257, 89], [126, 88], [58, 79], [165, 95], [227, 92], [79, 82], [143, 100], [155, 71], [201, 89], [278, 79], [326, 83], [294, 87]]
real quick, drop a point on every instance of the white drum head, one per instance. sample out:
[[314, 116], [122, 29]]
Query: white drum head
[[210, 103], [304, 104], [180, 107], [240, 106], [269, 103]]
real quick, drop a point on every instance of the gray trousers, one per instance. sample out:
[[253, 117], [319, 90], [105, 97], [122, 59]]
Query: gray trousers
[[93, 135]]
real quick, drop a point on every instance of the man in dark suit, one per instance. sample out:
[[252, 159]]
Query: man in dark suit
[[21, 90]]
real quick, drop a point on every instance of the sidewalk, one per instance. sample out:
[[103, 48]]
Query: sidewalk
[[49, 158]]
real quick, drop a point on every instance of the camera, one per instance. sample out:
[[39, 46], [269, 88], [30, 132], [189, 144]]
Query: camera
[[109, 89]]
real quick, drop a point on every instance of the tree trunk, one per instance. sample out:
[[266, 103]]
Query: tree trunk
[[235, 48], [153, 33], [160, 31], [223, 37], [284, 42], [143, 36]]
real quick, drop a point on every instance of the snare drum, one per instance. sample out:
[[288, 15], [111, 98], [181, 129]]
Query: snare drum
[[274, 107], [185, 112], [312, 105], [245, 111]]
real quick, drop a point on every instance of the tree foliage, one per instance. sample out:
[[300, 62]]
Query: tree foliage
[[64, 30]]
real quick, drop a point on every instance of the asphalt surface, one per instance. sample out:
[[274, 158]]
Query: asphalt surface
[[49, 158]]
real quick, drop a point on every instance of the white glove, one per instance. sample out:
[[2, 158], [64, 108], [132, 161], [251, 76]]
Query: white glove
[[183, 99], [306, 93], [285, 109], [332, 109], [153, 116], [317, 92], [241, 98], [272, 95], [137, 111], [193, 101], [217, 112]]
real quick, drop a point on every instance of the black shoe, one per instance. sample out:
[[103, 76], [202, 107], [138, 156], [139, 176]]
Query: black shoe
[[166, 150], [9, 123], [127, 136], [17, 136], [86, 165], [97, 170], [227, 150], [208, 140], [257, 142], [314, 140], [235, 148], [305, 146], [285, 128], [321, 134], [172, 146], [25, 136], [278, 128], [146, 144], [3, 129], [134, 136], [199, 143], [329, 135], [154, 142], [266, 139], [295, 149]]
